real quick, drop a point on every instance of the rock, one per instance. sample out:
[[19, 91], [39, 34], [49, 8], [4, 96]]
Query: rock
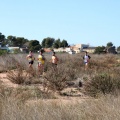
[[70, 83]]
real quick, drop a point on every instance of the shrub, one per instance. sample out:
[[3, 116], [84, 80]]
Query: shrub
[[103, 83], [55, 79], [18, 76], [3, 52]]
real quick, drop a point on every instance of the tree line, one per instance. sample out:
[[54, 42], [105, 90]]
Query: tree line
[[99, 49], [34, 45], [48, 42]]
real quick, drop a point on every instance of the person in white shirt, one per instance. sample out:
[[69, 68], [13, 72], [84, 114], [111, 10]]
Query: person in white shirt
[[86, 59]]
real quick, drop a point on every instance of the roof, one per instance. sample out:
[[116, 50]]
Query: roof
[[47, 50]]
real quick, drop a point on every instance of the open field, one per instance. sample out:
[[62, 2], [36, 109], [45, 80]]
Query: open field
[[68, 93]]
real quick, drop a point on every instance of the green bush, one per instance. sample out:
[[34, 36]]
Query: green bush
[[3, 52]]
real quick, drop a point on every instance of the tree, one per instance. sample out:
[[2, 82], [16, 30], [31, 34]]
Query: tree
[[2, 39], [37, 47], [34, 45], [16, 41], [57, 43], [43, 43], [64, 43], [11, 40], [109, 44], [20, 41], [47, 42], [99, 49], [118, 48]]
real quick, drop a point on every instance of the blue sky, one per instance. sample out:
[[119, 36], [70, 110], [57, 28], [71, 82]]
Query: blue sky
[[96, 22]]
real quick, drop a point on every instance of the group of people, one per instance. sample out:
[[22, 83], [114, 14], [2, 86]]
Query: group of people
[[54, 60], [41, 61]]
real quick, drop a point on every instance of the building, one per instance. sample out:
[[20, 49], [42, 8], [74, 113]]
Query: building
[[48, 50], [79, 47], [13, 49], [69, 50], [10, 49], [24, 50], [89, 49], [4, 48], [59, 50]]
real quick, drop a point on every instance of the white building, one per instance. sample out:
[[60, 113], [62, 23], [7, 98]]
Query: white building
[[59, 50], [70, 51], [81, 46]]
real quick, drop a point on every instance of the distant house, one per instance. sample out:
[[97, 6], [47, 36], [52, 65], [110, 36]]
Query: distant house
[[69, 50], [13, 49], [89, 49], [4, 48], [79, 47], [48, 50], [59, 50], [75, 49], [24, 50]]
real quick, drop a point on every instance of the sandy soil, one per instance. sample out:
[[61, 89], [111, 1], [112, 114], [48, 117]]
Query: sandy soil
[[6, 82]]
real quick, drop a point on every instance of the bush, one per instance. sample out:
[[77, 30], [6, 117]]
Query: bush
[[17, 76], [56, 78], [3, 52], [103, 83]]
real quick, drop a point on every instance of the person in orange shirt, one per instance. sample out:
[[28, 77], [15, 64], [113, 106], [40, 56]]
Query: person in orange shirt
[[54, 60]]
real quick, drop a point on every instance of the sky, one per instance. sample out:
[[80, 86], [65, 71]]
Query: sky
[[93, 22]]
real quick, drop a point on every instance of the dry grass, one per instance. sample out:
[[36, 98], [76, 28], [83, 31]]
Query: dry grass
[[105, 108]]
